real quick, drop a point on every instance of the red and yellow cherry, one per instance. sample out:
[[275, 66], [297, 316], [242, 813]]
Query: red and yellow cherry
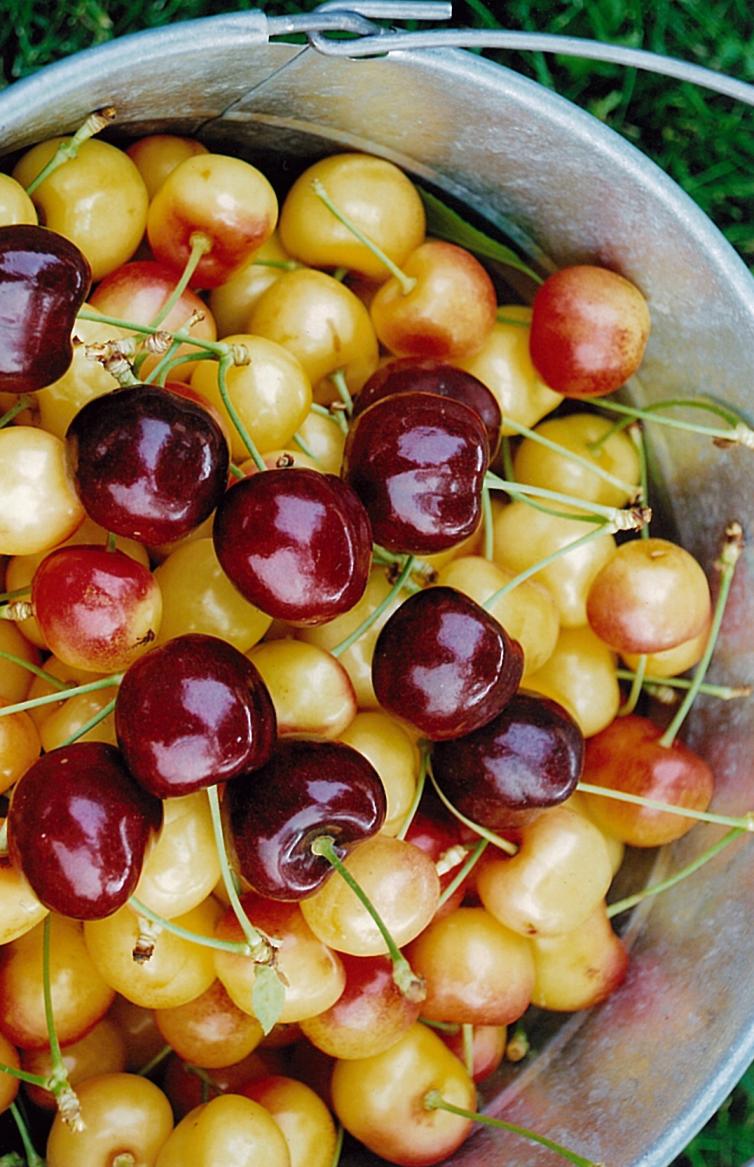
[[305, 1121], [381, 1099], [125, 1116], [434, 831], [229, 1129], [589, 330], [44, 280], [40, 505], [78, 827], [449, 312], [417, 461], [444, 664], [580, 968], [651, 595], [191, 713], [211, 1030], [296, 543], [100, 1051], [630, 756], [97, 609], [136, 1026], [188, 1089], [502, 775], [488, 1047], [157, 155]]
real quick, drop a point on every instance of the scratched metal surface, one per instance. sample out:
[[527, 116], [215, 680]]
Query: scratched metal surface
[[632, 1081]]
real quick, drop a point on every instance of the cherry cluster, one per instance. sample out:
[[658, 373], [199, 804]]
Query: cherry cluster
[[345, 817]]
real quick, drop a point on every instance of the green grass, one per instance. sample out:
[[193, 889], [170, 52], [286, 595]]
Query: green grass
[[704, 142]]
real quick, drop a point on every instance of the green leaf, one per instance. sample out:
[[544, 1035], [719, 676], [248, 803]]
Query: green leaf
[[268, 996], [443, 221]]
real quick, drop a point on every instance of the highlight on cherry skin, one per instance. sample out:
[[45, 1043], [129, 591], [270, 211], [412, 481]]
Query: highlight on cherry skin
[[385, 929]]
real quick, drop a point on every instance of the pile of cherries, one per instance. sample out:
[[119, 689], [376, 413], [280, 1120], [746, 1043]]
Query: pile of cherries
[[258, 589]]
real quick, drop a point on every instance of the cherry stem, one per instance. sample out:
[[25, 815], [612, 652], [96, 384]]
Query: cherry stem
[[410, 985], [451, 1027], [32, 668], [654, 889], [637, 437], [57, 1082], [233, 946], [518, 1046], [200, 245], [637, 682], [738, 432], [462, 872], [407, 282], [489, 529], [744, 823], [620, 518], [24, 1075], [124, 1159], [434, 1100], [262, 950], [24, 402], [372, 618], [33, 1159], [226, 363], [631, 488], [154, 1062], [723, 692], [69, 149], [63, 695], [467, 1034], [16, 611], [483, 832], [305, 448], [421, 780], [16, 593], [730, 553], [165, 365], [217, 348], [338, 379], [503, 319], [92, 723], [522, 576]]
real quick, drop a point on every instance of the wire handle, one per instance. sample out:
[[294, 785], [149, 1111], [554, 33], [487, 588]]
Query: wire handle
[[370, 40]]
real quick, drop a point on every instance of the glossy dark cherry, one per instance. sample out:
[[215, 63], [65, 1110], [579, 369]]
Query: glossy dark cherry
[[306, 790], [444, 664], [148, 464], [44, 280], [413, 375], [191, 713], [527, 758], [417, 461], [296, 543], [78, 826]]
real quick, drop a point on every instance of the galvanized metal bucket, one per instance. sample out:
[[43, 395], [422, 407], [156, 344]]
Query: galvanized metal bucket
[[628, 1083]]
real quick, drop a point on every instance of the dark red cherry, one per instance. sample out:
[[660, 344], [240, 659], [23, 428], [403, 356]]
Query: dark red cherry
[[296, 543], [191, 713], [78, 827], [44, 280], [444, 664], [413, 375], [148, 464], [306, 790], [417, 461], [527, 758]]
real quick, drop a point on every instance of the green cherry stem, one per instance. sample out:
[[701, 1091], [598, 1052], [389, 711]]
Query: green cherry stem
[[338, 379], [622, 518], [463, 871], [32, 668], [374, 616], [743, 823], [92, 723], [434, 1100], [451, 1027], [630, 488], [406, 282], [203, 941], [217, 348], [484, 832], [467, 1036], [730, 553], [418, 791], [24, 402], [654, 889], [411, 985], [488, 525], [518, 1045], [502, 318], [13, 1159], [226, 363], [338, 1148], [69, 149], [57, 1082], [506, 455], [737, 433], [305, 448], [33, 1159], [637, 683], [200, 244], [154, 1062], [16, 593], [24, 1076], [723, 692], [165, 365], [51, 698], [595, 533]]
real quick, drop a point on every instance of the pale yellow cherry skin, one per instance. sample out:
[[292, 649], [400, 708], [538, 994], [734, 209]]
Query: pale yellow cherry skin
[[84, 379], [157, 155], [15, 680], [122, 1114], [523, 536], [476, 971], [671, 662], [578, 969], [68, 720], [100, 1051], [302, 1116], [181, 868], [20, 909], [559, 875], [580, 675], [323, 324], [380, 1099], [227, 1130], [538, 465], [528, 612], [378, 197], [15, 204], [503, 364], [177, 971], [9, 1085], [401, 882], [272, 394], [98, 200], [395, 757], [616, 849], [19, 747], [233, 301], [40, 507], [325, 440], [311, 691]]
